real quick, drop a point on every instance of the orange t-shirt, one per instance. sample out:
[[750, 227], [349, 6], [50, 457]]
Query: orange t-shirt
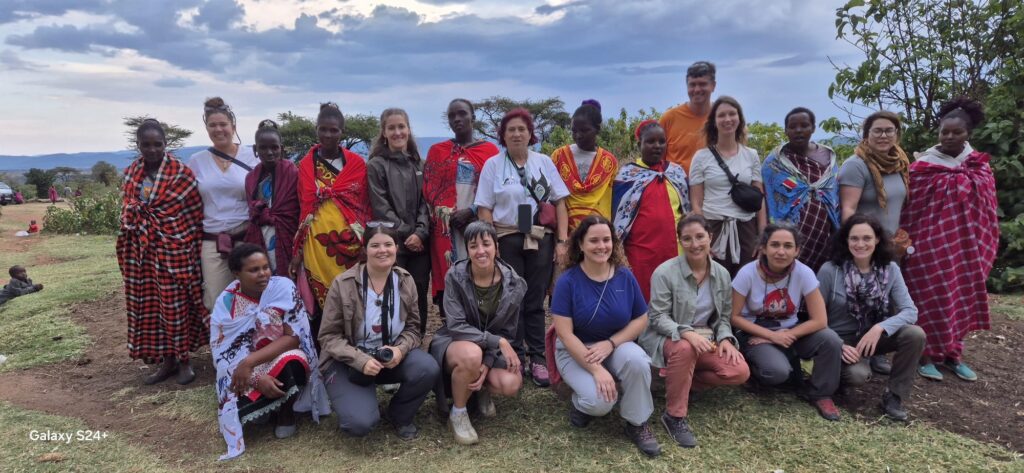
[[684, 131]]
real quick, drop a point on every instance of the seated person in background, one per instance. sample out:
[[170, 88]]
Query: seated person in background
[[19, 285], [33, 227], [263, 351], [870, 308], [481, 298]]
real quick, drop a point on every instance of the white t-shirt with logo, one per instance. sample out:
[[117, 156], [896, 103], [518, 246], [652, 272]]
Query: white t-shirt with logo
[[774, 305]]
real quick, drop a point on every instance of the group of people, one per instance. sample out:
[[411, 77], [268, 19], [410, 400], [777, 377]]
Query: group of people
[[312, 282]]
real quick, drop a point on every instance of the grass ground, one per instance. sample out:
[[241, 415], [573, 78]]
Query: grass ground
[[738, 431]]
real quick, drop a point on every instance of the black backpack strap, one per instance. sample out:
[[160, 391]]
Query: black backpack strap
[[222, 155], [721, 162]]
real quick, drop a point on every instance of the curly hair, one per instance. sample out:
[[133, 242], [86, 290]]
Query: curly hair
[[240, 252], [618, 256], [965, 108], [520, 113], [841, 248]]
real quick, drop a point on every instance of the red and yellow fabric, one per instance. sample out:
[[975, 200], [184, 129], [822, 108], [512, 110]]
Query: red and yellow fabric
[[592, 196], [334, 207]]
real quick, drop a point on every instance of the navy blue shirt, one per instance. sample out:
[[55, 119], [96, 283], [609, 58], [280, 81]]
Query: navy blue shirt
[[576, 296]]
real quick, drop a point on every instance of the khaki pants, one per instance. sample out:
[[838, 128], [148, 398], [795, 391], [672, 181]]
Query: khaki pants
[[216, 275]]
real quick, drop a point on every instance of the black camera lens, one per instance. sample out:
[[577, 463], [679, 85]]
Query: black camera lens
[[385, 355]]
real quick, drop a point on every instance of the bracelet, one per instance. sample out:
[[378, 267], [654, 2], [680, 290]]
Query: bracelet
[[614, 346], [561, 241]]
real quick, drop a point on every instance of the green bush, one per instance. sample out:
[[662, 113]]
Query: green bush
[[92, 215]]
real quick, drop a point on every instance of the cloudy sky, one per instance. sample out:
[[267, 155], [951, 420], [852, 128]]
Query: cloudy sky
[[71, 69]]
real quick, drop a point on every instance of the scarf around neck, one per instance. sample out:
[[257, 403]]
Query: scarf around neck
[[895, 161], [866, 297]]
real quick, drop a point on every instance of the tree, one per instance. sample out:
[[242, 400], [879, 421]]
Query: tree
[[298, 134], [105, 173], [176, 135], [64, 173], [547, 114], [764, 137], [42, 180], [360, 128], [920, 53]]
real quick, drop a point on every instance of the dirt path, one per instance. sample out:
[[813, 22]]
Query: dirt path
[[100, 386]]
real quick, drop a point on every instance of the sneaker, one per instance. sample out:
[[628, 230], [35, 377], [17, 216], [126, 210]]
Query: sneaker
[[892, 406], [961, 370], [484, 403], [880, 364], [577, 418], [826, 408], [284, 431], [643, 438], [462, 429], [929, 371], [407, 432], [539, 373], [679, 429]]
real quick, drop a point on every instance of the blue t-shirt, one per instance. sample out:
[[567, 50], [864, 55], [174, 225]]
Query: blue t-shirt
[[576, 296]]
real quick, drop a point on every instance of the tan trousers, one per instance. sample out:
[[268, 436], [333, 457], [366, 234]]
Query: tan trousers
[[216, 275]]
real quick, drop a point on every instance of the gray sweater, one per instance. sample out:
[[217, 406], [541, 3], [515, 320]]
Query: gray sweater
[[833, 289]]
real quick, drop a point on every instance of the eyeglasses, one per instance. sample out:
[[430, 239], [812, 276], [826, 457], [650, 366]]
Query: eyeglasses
[[883, 132], [380, 223]]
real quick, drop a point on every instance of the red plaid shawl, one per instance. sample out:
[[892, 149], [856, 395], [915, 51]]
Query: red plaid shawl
[[158, 252], [951, 219]]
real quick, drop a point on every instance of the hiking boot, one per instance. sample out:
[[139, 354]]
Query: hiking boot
[[880, 364], [961, 370], [407, 432], [826, 408], [929, 371], [539, 373], [643, 438], [577, 418], [484, 403], [462, 429], [892, 406], [679, 429]]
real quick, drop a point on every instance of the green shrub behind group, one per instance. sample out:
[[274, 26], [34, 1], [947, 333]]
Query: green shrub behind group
[[93, 215]]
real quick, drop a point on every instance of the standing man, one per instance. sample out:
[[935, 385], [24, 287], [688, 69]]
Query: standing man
[[684, 125]]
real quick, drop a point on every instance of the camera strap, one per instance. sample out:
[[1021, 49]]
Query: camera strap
[[386, 307]]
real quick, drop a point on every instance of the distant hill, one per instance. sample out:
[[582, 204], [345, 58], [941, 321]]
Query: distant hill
[[86, 160]]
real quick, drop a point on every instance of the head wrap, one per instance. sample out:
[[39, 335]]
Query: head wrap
[[644, 124]]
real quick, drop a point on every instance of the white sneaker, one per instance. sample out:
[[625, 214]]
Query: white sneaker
[[462, 429], [485, 404]]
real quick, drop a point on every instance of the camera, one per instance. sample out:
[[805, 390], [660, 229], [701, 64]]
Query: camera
[[382, 354]]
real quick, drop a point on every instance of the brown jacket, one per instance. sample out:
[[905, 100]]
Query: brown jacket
[[343, 314]]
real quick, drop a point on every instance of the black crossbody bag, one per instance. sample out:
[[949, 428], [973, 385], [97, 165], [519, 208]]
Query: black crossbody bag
[[746, 196]]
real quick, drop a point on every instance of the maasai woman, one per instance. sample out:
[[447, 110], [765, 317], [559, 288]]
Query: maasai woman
[[220, 174], [262, 350], [395, 176], [158, 252], [450, 177], [517, 189], [272, 189], [333, 209], [650, 195], [52, 193], [587, 169], [801, 187], [951, 218], [736, 230]]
